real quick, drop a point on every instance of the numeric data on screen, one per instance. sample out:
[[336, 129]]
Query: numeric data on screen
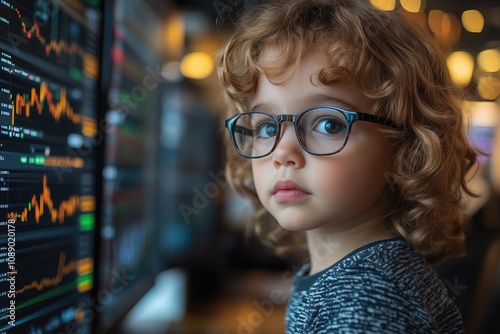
[[49, 75]]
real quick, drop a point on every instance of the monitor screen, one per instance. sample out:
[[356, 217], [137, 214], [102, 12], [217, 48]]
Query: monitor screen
[[128, 257], [49, 81]]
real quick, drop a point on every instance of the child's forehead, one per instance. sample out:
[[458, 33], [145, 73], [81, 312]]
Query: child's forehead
[[280, 68], [301, 85], [273, 58], [285, 58]]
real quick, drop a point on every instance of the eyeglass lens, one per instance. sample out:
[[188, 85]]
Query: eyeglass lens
[[319, 131]]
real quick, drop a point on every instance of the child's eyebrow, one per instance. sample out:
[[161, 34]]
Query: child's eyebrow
[[331, 100], [308, 101], [262, 107]]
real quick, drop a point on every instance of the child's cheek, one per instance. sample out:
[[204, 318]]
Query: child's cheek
[[261, 177], [350, 180]]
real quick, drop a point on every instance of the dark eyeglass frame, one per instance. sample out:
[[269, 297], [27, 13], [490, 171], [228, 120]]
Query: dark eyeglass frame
[[350, 116]]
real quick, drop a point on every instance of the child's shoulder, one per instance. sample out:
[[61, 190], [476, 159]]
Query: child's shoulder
[[386, 265], [382, 255], [389, 265], [385, 279]]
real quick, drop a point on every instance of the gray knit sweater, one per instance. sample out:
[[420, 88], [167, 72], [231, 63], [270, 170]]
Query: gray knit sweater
[[382, 287]]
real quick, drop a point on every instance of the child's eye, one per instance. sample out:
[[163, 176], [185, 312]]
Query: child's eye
[[330, 126], [266, 130]]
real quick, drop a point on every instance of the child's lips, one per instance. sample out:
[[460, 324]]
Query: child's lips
[[286, 190]]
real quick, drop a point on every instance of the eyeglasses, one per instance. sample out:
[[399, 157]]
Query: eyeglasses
[[321, 130]]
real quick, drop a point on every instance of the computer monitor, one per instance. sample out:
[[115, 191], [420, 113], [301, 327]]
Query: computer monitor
[[128, 256], [49, 81]]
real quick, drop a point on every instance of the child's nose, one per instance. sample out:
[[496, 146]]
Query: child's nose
[[288, 151]]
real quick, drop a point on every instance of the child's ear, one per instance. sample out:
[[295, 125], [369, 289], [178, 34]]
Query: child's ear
[[390, 179], [391, 174]]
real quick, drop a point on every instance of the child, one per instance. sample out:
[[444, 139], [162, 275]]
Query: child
[[349, 138]]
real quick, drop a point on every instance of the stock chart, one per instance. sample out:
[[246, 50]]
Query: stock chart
[[49, 59]]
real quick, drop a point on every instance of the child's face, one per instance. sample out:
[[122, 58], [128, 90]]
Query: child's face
[[328, 192]]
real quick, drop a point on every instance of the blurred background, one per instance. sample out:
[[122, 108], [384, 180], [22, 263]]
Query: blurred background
[[118, 217]]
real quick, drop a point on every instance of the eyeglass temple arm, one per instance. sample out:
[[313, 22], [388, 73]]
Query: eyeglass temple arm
[[376, 119]]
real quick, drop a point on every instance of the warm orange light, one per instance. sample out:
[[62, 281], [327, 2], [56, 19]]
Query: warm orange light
[[435, 20], [489, 60], [413, 6], [385, 5], [473, 21], [488, 87], [446, 27], [461, 67], [174, 35], [197, 65]]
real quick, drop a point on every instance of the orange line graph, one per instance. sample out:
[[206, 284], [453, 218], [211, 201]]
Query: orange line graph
[[83, 266], [44, 203], [57, 46], [22, 104], [90, 62], [60, 46], [35, 29], [62, 270]]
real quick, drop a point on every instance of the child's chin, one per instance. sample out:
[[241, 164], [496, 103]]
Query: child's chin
[[294, 226]]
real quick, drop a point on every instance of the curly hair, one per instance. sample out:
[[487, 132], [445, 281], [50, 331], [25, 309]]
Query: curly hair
[[392, 61]]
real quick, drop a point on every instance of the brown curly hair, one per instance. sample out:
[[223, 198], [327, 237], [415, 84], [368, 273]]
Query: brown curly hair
[[394, 62]]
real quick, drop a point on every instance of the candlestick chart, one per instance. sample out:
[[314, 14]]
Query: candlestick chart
[[49, 75]]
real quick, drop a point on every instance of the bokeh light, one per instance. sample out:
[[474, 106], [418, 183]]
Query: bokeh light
[[384, 4], [489, 60], [473, 21], [197, 65], [461, 67]]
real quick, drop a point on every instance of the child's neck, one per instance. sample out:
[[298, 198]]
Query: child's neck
[[329, 245]]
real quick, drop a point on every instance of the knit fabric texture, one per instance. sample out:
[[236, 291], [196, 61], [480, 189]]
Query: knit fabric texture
[[382, 287]]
